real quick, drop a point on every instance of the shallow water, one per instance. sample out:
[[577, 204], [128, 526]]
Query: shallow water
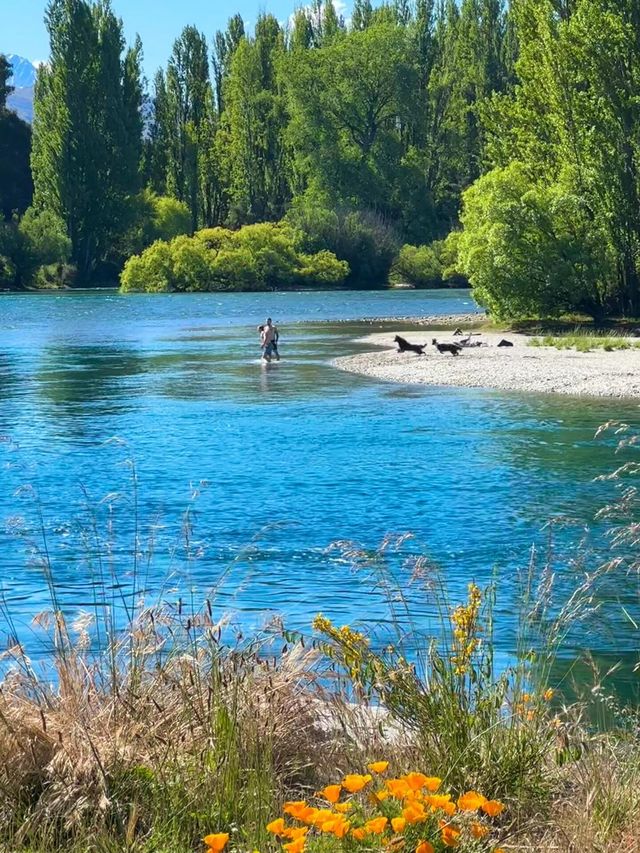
[[285, 460]]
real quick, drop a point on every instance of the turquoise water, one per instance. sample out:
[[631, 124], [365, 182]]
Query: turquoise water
[[274, 463]]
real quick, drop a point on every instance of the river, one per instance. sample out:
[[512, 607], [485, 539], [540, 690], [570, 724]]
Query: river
[[273, 464]]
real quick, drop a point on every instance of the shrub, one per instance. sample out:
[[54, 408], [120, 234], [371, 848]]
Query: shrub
[[532, 249], [265, 255], [418, 265], [152, 270], [362, 239], [152, 217]]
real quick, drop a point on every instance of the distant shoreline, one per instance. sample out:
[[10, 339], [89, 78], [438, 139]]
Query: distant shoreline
[[521, 368]]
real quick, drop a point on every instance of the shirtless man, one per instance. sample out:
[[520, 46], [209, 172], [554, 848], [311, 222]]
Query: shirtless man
[[269, 340]]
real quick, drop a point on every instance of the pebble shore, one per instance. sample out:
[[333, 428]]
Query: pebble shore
[[521, 367]]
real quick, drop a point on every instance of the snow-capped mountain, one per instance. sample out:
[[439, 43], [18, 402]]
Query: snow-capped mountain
[[24, 71], [24, 78]]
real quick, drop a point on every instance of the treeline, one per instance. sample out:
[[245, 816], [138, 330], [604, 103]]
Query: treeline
[[426, 141], [361, 135]]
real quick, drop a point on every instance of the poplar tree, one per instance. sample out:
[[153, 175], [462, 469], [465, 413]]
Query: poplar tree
[[86, 132]]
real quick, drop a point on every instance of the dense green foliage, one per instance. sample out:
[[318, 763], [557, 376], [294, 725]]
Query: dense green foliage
[[256, 257], [87, 131], [429, 266], [34, 251], [16, 187], [366, 137], [556, 225], [361, 135]]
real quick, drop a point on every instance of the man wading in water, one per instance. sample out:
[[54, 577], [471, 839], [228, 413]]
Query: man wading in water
[[269, 340]]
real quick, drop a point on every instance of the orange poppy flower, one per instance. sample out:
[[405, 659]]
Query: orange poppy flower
[[295, 832], [331, 793], [398, 823], [338, 826], [450, 836], [343, 808], [217, 841], [377, 825], [378, 766], [398, 788], [296, 846], [354, 782], [471, 801], [425, 847], [277, 827], [478, 830], [492, 807], [432, 783], [415, 780], [414, 813], [359, 833]]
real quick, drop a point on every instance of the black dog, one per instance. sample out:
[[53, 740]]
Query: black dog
[[454, 349], [405, 346], [505, 343]]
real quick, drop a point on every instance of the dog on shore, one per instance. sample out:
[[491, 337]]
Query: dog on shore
[[454, 349], [405, 346]]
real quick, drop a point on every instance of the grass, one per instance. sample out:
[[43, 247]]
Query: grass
[[166, 731], [585, 341]]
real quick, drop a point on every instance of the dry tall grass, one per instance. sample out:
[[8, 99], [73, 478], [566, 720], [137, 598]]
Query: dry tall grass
[[166, 733]]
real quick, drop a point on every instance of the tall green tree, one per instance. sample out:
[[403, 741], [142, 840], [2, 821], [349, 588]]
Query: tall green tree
[[252, 143], [86, 132]]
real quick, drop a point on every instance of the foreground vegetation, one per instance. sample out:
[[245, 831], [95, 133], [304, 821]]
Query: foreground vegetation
[[157, 733]]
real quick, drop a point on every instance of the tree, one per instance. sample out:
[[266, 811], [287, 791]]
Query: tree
[[86, 140], [530, 248], [187, 117], [253, 150], [5, 74], [362, 14], [575, 111], [225, 45], [16, 186], [347, 100]]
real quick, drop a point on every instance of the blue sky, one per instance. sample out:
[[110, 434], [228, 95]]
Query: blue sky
[[158, 22]]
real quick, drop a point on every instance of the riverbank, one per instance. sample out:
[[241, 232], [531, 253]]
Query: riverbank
[[521, 367]]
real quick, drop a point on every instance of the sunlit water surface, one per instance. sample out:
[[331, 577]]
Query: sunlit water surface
[[275, 463]]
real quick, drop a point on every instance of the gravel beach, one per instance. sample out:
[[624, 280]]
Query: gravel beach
[[521, 367]]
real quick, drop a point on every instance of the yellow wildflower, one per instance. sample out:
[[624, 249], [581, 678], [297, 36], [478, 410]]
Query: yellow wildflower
[[414, 813], [378, 766], [398, 788], [450, 836], [343, 808], [295, 832], [548, 694], [415, 780]]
